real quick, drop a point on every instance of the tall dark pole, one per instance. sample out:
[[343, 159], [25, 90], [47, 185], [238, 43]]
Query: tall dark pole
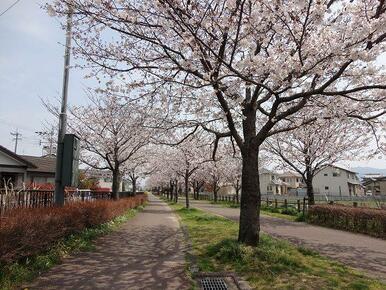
[[59, 186], [17, 138]]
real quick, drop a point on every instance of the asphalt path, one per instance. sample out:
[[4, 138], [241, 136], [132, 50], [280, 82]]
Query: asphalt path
[[147, 252]]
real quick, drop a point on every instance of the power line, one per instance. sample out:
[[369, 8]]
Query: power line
[[9, 8]]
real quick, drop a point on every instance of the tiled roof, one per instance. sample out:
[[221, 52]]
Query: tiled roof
[[45, 164]]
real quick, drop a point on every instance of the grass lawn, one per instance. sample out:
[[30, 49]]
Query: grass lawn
[[274, 264], [292, 218], [270, 211], [17, 273]]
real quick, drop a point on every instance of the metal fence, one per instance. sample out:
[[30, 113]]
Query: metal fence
[[293, 200], [300, 203]]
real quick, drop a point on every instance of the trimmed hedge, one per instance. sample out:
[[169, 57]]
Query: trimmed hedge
[[368, 221], [27, 232]]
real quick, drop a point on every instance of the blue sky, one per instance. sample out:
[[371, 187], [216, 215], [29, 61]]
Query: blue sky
[[31, 67]]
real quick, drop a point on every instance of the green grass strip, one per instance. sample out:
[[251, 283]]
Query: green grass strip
[[273, 264]]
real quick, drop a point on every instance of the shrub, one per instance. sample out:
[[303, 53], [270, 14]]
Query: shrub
[[27, 232], [301, 217], [289, 211], [282, 210], [369, 221]]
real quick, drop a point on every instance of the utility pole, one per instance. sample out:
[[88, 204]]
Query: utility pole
[[17, 137], [59, 186], [48, 138]]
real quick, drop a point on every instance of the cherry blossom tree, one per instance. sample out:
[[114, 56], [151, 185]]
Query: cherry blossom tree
[[309, 149], [188, 156], [198, 180], [164, 167], [233, 173], [112, 133], [241, 68], [139, 166]]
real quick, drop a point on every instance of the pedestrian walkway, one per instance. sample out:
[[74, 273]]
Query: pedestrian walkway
[[147, 252], [362, 252]]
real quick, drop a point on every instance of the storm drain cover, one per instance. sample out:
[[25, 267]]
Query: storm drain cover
[[213, 284]]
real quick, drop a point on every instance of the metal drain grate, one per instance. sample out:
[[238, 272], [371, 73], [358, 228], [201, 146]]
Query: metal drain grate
[[213, 284]]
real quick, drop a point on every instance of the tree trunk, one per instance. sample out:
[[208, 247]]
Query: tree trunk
[[116, 183], [187, 188], [310, 190], [309, 178], [176, 191], [237, 190], [215, 190], [250, 199], [195, 190], [171, 189], [134, 185]]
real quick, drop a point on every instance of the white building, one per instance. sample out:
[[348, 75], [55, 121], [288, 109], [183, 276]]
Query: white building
[[271, 183], [104, 178], [20, 170], [293, 179], [335, 180]]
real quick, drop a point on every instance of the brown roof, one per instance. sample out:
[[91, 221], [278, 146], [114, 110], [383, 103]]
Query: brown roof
[[43, 164]]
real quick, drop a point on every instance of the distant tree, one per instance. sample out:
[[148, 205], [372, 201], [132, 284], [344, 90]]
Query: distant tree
[[188, 157], [309, 149], [112, 132], [87, 182]]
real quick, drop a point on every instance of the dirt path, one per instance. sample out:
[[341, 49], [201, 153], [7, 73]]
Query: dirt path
[[359, 251], [147, 252]]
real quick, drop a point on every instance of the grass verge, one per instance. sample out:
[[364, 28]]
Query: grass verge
[[274, 264], [290, 214], [15, 274]]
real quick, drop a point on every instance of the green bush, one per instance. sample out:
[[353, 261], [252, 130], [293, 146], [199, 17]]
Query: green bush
[[289, 211], [282, 210], [369, 221], [301, 217]]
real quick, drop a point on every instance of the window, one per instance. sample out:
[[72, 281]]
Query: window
[[272, 177], [326, 174], [326, 188], [269, 188], [335, 174]]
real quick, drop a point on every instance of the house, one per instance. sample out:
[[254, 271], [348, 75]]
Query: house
[[271, 183], [20, 170], [293, 179], [336, 180], [104, 178], [376, 185]]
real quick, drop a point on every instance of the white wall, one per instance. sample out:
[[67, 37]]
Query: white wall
[[226, 189], [325, 182], [6, 160], [265, 180]]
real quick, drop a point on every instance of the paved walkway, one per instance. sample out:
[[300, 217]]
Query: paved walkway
[[147, 252], [359, 251]]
